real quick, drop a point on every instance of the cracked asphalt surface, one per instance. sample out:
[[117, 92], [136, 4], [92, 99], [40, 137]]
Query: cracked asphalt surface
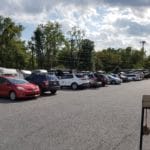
[[93, 119]]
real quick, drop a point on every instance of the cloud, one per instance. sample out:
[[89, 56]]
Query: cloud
[[38, 6], [131, 3], [133, 28], [109, 23]]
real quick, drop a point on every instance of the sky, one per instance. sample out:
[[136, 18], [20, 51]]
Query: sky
[[109, 23]]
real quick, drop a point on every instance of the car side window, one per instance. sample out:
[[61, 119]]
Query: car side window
[[2, 81], [68, 76]]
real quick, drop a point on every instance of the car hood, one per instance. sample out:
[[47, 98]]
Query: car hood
[[27, 86]]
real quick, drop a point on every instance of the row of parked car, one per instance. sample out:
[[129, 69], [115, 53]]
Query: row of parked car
[[22, 84]]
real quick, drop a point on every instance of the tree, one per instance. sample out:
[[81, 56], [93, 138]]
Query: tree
[[76, 36], [37, 45], [63, 58], [147, 63], [46, 42], [54, 39], [85, 55], [12, 49], [108, 59]]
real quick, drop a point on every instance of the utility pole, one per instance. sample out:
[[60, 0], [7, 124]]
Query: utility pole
[[143, 43], [143, 52]]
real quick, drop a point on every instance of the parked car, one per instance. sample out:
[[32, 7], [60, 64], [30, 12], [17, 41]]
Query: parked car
[[74, 81], [102, 78], [17, 88], [39, 71], [114, 80], [134, 77], [123, 76], [93, 80], [8, 72], [147, 75], [45, 82]]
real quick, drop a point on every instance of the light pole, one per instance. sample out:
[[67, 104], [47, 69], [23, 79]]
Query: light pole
[[143, 43], [143, 52]]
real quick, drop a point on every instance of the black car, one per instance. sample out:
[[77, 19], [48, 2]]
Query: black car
[[102, 78], [45, 82]]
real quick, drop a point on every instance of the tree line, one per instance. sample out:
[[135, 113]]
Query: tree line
[[50, 48]]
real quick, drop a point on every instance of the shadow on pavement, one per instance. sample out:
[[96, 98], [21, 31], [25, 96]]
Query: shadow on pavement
[[7, 100]]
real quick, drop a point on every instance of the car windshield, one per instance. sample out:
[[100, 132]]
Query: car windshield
[[17, 81], [110, 76]]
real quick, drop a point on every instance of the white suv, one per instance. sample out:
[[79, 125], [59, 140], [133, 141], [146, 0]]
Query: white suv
[[74, 81]]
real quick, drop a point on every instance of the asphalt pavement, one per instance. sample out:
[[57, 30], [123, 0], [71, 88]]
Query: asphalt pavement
[[106, 118]]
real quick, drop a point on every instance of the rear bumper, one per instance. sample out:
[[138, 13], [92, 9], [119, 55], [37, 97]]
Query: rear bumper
[[50, 88]]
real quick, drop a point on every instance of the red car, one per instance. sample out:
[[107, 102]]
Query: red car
[[17, 88]]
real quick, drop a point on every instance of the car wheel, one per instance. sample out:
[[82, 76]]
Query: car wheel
[[12, 96], [74, 86], [53, 91]]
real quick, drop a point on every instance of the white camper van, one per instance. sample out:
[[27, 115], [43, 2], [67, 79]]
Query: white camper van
[[8, 71]]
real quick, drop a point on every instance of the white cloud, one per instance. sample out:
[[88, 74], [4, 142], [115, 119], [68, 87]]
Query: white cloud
[[108, 23]]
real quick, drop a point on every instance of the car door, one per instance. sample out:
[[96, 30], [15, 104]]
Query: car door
[[69, 79], [66, 80], [4, 87], [63, 81]]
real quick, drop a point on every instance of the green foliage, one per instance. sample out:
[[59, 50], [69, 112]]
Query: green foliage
[[85, 55], [12, 49], [147, 63], [46, 42], [76, 36], [124, 58], [108, 59], [63, 58]]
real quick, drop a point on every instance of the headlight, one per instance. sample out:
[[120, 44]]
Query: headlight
[[20, 88], [37, 87]]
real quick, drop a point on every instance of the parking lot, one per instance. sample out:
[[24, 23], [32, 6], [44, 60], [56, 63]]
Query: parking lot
[[106, 118]]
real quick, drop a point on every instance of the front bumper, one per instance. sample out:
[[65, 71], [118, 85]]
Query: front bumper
[[26, 94]]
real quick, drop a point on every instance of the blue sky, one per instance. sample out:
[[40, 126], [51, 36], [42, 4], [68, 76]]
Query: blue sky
[[109, 23]]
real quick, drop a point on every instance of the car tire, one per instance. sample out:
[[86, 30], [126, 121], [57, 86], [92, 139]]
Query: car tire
[[53, 91], [103, 84], [12, 96], [74, 86]]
